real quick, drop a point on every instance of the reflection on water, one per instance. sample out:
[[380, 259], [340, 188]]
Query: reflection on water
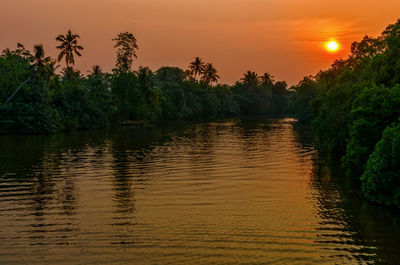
[[218, 193]]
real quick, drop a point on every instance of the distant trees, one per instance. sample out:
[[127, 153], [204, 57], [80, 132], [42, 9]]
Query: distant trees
[[48, 102], [126, 46], [261, 95], [301, 102]]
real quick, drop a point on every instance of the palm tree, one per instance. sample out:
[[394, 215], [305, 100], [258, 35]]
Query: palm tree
[[96, 71], [250, 81], [50, 74], [209, 74], [40, 61], [196, 67], [69, 73], [146, 85], [250, 78], [267, 79], [43, 66], [69, 46]]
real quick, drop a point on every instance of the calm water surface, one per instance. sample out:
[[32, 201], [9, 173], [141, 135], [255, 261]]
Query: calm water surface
[[214, 193]]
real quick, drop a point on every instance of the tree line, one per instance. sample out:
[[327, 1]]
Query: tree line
[[38, 97], [354, 107]]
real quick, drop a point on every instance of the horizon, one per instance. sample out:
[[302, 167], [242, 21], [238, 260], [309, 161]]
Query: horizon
[[288, 41]]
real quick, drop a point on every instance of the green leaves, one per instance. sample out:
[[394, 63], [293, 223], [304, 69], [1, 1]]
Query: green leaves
[[373, 109], [51, 102], [381, 179]]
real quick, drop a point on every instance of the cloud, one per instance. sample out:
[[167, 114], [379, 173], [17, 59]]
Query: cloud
[[322, 29]]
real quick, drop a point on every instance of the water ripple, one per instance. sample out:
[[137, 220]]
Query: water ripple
[[216, 193]]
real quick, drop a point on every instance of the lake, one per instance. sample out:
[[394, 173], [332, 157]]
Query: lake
[[231, 192]]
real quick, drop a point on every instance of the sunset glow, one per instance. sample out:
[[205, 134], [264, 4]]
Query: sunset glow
[[263, 35], [332, 46]]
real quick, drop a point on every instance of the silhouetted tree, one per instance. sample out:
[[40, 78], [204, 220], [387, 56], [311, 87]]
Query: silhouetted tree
[[250, 79], [126, 46], [267, 79], [40, 61], [69, 46], [43, 66], [69, 73], [96, 71], [209, 74], [196, 67], [145, 78]]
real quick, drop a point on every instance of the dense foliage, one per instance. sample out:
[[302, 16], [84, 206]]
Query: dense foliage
[[381, 179], [351, 104], [36, 98]]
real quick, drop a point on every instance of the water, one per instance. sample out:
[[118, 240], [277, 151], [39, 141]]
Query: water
[[214, 193]]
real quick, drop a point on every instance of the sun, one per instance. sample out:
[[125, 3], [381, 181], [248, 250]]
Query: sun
[[332, 46]]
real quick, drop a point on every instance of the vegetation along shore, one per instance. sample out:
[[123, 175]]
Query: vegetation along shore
[[354, 106]]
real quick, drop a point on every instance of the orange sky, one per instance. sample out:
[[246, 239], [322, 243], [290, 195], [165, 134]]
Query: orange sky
[[283, 37]]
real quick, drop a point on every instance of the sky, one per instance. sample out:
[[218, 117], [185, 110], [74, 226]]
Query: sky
[[283, 37]]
